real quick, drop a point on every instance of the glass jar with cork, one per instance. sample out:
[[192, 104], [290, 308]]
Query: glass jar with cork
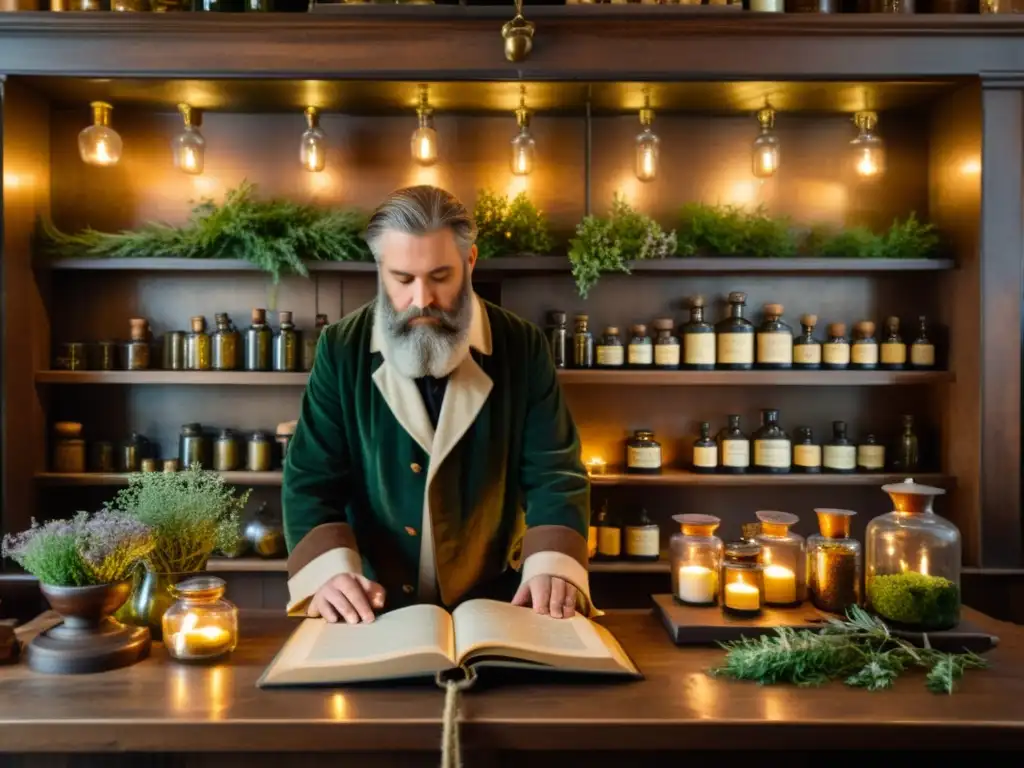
[[705, 451], [258, 339], [806, 348], [137, 351], [696, 559], [667, 348], [893, 352], [582, 343], [864, 350], [735, 337], [698, 338], [198, 349], [640, 353], [310, 340], [226, 343], [834, 562], [774, 340], [610, 352], [286, 344], [784, 558], [835, 353], [742, 579]]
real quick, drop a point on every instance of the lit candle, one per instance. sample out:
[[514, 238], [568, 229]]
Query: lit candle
[[596, 465], [779, 585], [697, 584], [740, 596], [194, 642]]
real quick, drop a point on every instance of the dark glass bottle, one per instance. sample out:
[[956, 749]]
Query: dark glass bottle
[[835, 353], [286, 344], [870, 455], [774, 340], [922, 351], [643, 453], [192, 446], [137, 351], [893, 351], [906, 457], [733, 448], [642, 538], [666, 346], [310, 339], [225, 344], [806, 348], [735, 337], [641, 349], [773, 451], [582, 344], [698, 339], [258, 339], [864, 350], [705, 451], [839, 455], [558, 336], [609, 535], [610, 351], [806, 453]]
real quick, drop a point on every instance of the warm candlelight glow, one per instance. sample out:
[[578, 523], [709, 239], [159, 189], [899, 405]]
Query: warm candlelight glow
[[189, 159], [697, 584], [923, 568], [311, 158], [867, 164], [193, 641], [779, 585], [102, 154], [740, 596], [596, 465]]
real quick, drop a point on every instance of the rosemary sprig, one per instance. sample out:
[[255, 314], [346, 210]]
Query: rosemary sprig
[[860, 650]]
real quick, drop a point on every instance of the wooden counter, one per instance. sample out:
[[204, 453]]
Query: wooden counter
[[160, 706]]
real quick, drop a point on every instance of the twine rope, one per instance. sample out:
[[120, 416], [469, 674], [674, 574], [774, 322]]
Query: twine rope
[[451, 749]]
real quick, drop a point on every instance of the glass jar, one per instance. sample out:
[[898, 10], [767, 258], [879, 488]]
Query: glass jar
[[893, 351], [133, 451], [101, 456], [784, 557], [833, 562], [558, 338], [582, 343], [742, 579], [733, 448], [225, 452], [641, 349], [806, 453], [68, 447], [806, 348], [192, 446], [258, 339], [835, 353], [609, 535], [840, 455], [871, 455], [258, 453], [198, 350], [311, 339], [611, 352], [105, 356], [696, 555], [773, 451], [864, 350], [226, 343], [643, 453], [174, 351], [136, 351], [922, 351], [913, 561], [774, 340], [201, 625], [642, 539], [71, 356], [735, 337], [286, 344], [666, 346], [698, 338], [705, 451], [906, 453]]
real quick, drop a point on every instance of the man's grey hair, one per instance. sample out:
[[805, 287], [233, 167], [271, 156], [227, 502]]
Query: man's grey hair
[[418, 211]]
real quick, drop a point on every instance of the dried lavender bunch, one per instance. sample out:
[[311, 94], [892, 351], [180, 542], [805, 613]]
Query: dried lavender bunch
[[111, 543]]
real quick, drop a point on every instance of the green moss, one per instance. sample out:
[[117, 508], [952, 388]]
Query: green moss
[[915, 600]]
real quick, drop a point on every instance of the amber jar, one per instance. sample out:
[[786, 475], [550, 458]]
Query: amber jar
[[698, 339], [643, 453], [226, 342], [68, 447], [864, 350], [312, 338], [835, 353], [610, 351], [666, 346], [582, 343], [893, 353], [922, 351], [136, 351]]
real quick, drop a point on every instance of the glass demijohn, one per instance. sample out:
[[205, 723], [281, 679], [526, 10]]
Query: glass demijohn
[[201, 625], [913, 561], [99, 144], [867, 150], [313, 144], [189, 146], [784, 558], [696, 555], [424, 138], [765, 154], [833, 562]]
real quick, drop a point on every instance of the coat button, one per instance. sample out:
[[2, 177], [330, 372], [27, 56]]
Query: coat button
[[408, 589], [410, 530], [415, 467]]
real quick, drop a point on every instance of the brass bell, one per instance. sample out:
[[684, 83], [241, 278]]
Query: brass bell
[[518, 35]]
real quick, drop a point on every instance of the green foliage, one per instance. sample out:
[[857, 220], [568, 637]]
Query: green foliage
[[915, 599], [192, 513], [859, 650], [278, 236], [509, 228]]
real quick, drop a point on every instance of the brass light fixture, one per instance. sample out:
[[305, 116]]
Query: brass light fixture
[[867, 150], [524, 148], [424, 138], [189, 146], [765, 156], [518, 35], [647, 143], [99, 144], [313, 145]]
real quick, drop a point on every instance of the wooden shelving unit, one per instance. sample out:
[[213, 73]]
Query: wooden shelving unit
[[121, 478], [175, 378], [279, 565]]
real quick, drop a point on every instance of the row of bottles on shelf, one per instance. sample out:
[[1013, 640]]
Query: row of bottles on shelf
[[774, 451], [224, 451], [735, 343], [259, 348]]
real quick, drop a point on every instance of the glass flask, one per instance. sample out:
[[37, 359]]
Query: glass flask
[[913, 561], [834, 562], [784, 558], [742, 580], [201, 625], [696, 555]]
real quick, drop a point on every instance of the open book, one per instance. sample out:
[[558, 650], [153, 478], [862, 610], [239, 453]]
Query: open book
[[423, 640]]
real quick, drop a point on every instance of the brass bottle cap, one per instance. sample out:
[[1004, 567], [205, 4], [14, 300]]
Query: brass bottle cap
[[664, 324], [774, 309], [809, 319], [259, 316], [837, 329], [912, 498], [737, 297], [865, 328], [611, 330], [776, 523], [639, 330], [835, 523], [198, 324], [697, 301], [698, 525], [284, 316]]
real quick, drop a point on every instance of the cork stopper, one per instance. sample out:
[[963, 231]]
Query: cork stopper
[[611, 330], [67, 428], [284, 316], [865, 328], [696, 302], [809, 319], [911, 498], [698, 525], [774, 310], [259, 316], [835, 523], [139, 328], [837, 329], [892, 323], [639, 329], [776, 523], [737, 297], [750, 531], [198, 324], [663, 324]]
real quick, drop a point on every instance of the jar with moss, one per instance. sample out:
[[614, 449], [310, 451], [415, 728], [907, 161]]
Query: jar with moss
[[912, 574]]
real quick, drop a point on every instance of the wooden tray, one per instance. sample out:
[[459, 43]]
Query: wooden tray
[[690, 625]]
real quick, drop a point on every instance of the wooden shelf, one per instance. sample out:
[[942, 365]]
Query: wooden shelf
[[121, 478], [625, 566], [204, 378], [671, 477], [278, 565]]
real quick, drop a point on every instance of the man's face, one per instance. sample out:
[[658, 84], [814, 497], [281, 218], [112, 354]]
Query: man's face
[[423, 271]]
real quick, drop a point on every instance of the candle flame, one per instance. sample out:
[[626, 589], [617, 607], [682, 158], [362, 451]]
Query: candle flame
[[923, 569], [189, 161], [867, 165], [102, 152]]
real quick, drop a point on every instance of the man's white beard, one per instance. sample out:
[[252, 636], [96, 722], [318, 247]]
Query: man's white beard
[[425, 349]]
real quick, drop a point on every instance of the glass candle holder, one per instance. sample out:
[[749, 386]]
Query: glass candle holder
[[834, 562], [742, 580], [784, 557], [696, 555], [201, 625]]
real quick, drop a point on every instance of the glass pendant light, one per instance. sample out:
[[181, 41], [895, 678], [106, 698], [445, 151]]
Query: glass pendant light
[[99, 144], [765, 155], [424, 138], [647, 143], [313, 148], [524, 148], [189, 146], [868, 150]]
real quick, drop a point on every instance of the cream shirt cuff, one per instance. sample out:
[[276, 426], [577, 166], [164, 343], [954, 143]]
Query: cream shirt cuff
[[561, 565], [317, 572]]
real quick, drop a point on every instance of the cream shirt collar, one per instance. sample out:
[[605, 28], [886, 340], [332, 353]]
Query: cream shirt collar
[[479, 331]]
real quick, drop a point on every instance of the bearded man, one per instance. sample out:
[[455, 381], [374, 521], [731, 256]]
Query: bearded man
[[434, 459]]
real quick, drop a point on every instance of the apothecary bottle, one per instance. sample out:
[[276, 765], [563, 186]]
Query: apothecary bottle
[[198, 349], [705, 451], [870, 455], [906, 454], [258, 453], [558, 338], [696, 559], [258, 337], [839, 455], [784, 557], [640, 353], [201, 625], [642, 538], [643, 453], [698, 339], [733, 448], [310, 339], [742, 579], [922, 351], [667, 349], [774, 340], [806, 348], [192, 446], [137, 351], [610, 351], [735, 337], [806, 453], [912, 568], [834, 562], [174, 350], [226, 345], [773, 451], [582, 343], [286, 344], [893, 353], [864, 350], [609, 535], [225, 452], [835, 353]]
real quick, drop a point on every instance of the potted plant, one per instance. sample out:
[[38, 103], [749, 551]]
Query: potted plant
[[84, 567], [192, 514]]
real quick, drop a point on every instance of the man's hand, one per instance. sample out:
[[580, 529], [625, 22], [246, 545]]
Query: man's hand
[[350, 597], [548, 595]]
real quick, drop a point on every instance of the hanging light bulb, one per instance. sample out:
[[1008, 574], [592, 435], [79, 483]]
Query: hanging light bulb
[[99, 144], [647, 143], [524, 148], [424, 138], [313, 148], [189, 146], [868, 150], [765, 156]]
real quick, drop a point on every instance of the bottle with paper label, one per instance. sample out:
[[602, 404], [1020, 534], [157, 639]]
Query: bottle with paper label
[[643, 539], [870, 455], [864, 350], [773, 451], [922, 351], [667, 349], [835, 353], [735, 337], [806, 348], [774, 340], [733, 448], [705, 451], [893, 352], [609, 535], [611, 352], [582, 343], [643, 453], [906, 453], [806, 452], [698, 339], [640, 353], [839, 455]]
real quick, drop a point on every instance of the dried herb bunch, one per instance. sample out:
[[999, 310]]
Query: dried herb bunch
[[278, 236], [509, 228], [87, 550], [191, 513], [859, 650]]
